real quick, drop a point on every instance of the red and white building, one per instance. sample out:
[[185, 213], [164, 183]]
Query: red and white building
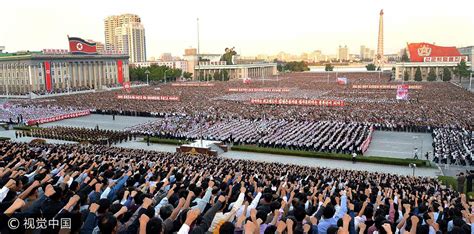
[[428, 56]]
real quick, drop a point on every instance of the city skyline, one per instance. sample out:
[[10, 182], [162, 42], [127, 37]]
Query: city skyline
[[262, 29]]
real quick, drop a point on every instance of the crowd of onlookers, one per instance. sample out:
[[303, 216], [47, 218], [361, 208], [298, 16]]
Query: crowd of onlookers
[[61, 90], [453, 146], [86, 135], [437, 104], [21, 114], [102, 189], [325, 136]]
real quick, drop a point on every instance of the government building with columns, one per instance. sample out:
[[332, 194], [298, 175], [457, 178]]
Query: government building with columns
[[427, 57], [25, 72], [236, 71]]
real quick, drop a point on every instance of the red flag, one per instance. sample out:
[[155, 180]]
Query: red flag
[[80, 46]]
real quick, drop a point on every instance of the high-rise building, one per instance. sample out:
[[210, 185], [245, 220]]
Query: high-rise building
[[379, 59], [113, 22], [100, 47], [315, 56], [131, 40], [366, 53], [166, 57], [126, 33], [343, 53], [190, 51]]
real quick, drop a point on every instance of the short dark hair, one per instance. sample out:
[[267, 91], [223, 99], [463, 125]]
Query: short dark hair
[[107, 223], [165, 211], [155, 225], [329, 211], [227, 228]]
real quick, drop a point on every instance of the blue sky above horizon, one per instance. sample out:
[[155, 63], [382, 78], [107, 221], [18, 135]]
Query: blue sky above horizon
[[253, 27]]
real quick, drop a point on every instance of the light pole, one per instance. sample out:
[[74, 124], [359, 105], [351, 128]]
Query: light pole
[[413, 166], [470, 81], [68, 85], [164, 75], [147, 73]]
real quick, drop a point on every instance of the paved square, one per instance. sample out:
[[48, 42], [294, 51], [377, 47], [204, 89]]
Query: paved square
[[400, 144]]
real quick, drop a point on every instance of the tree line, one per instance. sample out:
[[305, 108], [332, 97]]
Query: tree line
[[157, 73]]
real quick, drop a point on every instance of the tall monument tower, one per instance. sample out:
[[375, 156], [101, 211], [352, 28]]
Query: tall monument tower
[[379, 58]]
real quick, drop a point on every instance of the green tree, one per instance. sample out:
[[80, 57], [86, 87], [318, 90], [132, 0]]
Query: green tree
[[462, 70], [432, 75], [279, 67], [187, 75], [296, 66], [405, 56], [446, 74], [225, 75], [217, 76], [406, 76], [329, 67], [370, 67], [418, 74]]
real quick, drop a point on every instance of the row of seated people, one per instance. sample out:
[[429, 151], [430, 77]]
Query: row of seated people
[[453, 146], [323, 136], [21, 114], [426, 106]]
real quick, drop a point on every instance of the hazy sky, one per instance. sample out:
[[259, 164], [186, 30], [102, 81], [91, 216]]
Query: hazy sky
[[252, 26]]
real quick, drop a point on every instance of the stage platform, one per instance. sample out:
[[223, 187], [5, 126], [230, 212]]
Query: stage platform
[[211, 148]]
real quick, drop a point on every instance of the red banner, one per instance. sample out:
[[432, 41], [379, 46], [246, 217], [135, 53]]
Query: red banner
[[58, 117], [119, 71], [384, 87], [47, 75], [144, 97], [297, 102], [80, 46], [192, 84], [270, 90], [365, 145]]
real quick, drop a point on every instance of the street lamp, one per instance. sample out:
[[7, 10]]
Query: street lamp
[[147, 73], [164, 75], [412, 166], [68, 85]]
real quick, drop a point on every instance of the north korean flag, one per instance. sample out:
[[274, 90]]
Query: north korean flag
[[80, 46]]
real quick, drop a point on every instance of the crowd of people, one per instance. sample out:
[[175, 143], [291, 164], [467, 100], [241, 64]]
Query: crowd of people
[[61, 90], [435, 105], [102, 189], [438, 104], [452, 146], [92, 136], [324, 136], [21, 114]]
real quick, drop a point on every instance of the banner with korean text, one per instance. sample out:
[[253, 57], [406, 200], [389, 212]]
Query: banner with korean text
[[145, 97], [58, 117], [384, 86], [192, 84], [250, 90], [297, 102]]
